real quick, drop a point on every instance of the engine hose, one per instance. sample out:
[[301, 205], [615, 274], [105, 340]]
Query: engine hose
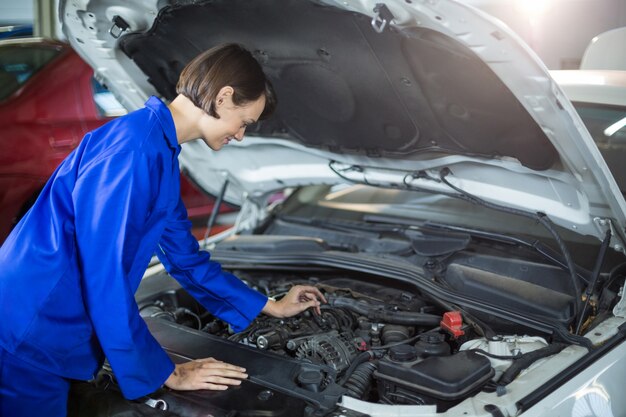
[[361, 380], [361, 358], [527, 359], [374, 313]]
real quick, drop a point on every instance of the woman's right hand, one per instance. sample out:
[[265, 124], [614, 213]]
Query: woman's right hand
[[206, 373]]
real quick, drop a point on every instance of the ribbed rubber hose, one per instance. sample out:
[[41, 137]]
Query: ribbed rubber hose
[[361, 380]]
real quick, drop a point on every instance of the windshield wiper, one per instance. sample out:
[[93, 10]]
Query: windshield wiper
[[339, 225], [455, 240], [347, 235], [533, 244]]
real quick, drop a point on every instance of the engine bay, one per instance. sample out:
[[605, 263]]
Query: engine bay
[[375, 341], [380, 339]]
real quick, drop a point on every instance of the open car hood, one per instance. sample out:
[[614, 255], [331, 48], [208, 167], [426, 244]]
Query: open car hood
[[386, 94]]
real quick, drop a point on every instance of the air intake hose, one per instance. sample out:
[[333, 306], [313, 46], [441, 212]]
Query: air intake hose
[[379, 314]]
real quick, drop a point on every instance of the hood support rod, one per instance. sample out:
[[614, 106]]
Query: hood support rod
[[594, 277], [216, 208]]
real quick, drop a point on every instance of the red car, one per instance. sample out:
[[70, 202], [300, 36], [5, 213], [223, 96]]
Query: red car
[[49, 99]]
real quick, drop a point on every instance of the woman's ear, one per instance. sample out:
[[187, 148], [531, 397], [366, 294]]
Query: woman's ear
[[224, 95]]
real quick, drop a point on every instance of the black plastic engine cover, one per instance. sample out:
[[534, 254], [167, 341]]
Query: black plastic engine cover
[[526, 287], [446, 378], [272, 388]]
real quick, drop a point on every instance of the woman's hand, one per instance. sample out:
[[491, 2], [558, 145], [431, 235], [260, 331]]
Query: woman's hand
[[298, 299], [206, 373]]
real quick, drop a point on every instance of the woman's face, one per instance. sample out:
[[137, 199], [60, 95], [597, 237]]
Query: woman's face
[[232, 122]]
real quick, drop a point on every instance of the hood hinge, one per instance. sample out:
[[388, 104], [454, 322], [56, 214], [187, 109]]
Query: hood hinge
[[617, 242], [119, 26], [620, 308], [382, 18]]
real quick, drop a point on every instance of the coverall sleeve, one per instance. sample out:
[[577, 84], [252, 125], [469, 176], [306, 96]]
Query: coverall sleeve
[[112, 202], [220, 292]]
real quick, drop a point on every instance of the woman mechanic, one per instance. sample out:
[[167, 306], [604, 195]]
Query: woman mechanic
[[70, 268]]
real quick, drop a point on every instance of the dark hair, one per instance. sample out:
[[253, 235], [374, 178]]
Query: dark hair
[[225, 65]]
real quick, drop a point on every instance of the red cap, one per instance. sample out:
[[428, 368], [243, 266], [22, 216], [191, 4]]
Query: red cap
[[452, 322], [361, 346]]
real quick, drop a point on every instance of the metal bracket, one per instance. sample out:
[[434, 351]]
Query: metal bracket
[[121, 25], [157, 404], [620, 308], [616, 238], [382, 17]]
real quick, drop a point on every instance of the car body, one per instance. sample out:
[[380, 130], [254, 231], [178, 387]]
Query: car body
[[422, 169], [606, 51], [15, 31], [48, 101]]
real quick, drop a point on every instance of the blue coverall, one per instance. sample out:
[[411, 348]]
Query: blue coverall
[[70, 268]]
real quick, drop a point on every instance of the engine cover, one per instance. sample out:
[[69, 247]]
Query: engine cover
[[270, 375]]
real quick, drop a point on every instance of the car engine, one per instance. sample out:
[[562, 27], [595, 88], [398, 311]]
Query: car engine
[[374, 341]]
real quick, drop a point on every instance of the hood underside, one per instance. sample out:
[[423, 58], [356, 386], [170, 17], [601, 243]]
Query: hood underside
[[370, 94], [344, 87]]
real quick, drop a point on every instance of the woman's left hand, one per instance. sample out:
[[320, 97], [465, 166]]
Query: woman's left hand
[[298, 299]]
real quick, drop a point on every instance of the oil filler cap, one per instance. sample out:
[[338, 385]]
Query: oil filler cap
[[402, 353], [310, 380]]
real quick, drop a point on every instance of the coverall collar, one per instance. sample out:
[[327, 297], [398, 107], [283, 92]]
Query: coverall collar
[[165, 117]]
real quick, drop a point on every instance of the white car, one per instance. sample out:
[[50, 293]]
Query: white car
[[438, 187]]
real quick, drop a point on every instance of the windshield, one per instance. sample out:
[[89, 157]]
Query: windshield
[[19, 62], [607, 125], [360, 204]]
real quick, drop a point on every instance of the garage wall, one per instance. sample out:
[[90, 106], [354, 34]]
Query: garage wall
[[558, 30], [16, 11]]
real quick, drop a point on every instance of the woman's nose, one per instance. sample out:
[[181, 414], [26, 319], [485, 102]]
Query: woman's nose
[[240, 133]]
